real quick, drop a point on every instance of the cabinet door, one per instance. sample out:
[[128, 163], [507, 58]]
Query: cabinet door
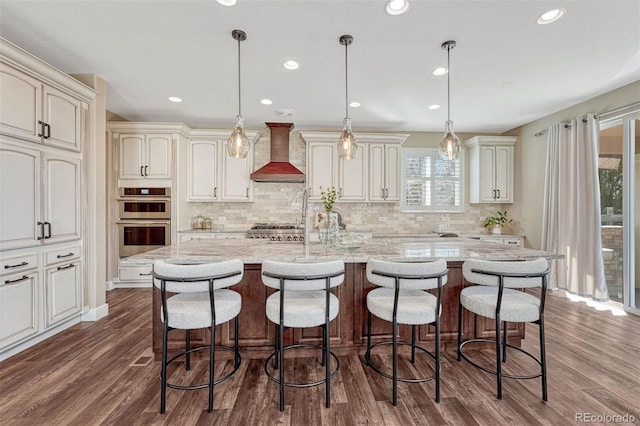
[[19, 197], [504, 174], [487, 174], [63, 292], [322, 167], [352, 182], [19, 104], [62, 114], [202, 180], [235, 180], [158, 157], [62, 198], [18, 308], [132, 156], [376, 172], [392, 172]]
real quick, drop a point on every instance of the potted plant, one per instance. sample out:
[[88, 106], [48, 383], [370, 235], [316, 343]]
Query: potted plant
[[328, 226], [496, 223]]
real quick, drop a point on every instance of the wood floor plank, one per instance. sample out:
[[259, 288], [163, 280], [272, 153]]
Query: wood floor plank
[[84, 376]]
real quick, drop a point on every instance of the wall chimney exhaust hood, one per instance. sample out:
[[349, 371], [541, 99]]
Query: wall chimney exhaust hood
[[279, 169]]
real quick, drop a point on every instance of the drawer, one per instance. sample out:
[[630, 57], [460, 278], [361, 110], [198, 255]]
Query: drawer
[[135, 273], [195, 236], [18, 263], [512, 241], [62, 255], [231, 236]]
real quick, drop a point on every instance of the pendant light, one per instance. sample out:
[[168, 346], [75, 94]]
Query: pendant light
[[238, 144], [450, 143], [347, 146]]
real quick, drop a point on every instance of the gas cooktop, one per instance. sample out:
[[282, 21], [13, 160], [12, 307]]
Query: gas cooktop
[[283, 232]]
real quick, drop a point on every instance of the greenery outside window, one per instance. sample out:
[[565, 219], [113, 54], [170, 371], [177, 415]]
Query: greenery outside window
[[431, 184]]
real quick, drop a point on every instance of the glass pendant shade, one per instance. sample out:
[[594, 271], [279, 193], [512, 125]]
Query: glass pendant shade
[[238, 144], [450, 143], [347, 146]]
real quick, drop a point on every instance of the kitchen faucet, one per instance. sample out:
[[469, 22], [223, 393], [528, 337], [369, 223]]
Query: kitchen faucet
[[305, 209]]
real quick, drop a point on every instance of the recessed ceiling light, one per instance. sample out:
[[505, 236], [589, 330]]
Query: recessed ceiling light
[[439, 71], [550, 16], [396, 7], [290, 65], [175, 99], [434, 106], [266, 101], [227, 2], [354, 104]]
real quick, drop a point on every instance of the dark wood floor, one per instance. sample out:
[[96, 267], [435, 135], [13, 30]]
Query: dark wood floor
[[88, 375]]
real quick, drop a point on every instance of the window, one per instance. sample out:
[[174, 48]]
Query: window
[[430, 184]]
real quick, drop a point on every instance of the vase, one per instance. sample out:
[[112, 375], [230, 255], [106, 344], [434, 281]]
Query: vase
[[328, 229], [497, 229]]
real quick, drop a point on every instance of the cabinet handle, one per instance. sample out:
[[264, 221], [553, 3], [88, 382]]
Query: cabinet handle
[[71, 265], [16, 266], [48, 129], [49, 229], [498, 193], [24, 277], [60, 256], [146, 170], [386, 193], [382, 190], [247, 192], [144, 275], [141, 168], [41, 123], [339, 192], [215, 192], [41, 225]]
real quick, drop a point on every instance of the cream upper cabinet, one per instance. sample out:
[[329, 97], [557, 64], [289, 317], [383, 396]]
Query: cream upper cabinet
[[491, 169], [145, 156], [212, 175], [384, 175], [35, 111], [62, 198], [372, 176]]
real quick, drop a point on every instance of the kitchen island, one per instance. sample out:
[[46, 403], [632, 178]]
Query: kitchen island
[[348, 330]]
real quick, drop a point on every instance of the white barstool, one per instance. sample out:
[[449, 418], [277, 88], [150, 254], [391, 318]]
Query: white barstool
[[202, 301], [497, 295], [303, 300], [401, 299]]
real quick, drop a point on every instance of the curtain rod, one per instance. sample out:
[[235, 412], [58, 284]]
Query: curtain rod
[[602, 116]]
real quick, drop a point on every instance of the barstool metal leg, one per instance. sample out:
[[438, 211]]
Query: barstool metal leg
[[437, 359], [395, 363], [276, 359], [237, 348], [325, 354], [187, 334], [543, 359], [459, 328], [498, 356], [212, 361], [413, 343], [281, 363], [163, 373], [504, 341], [367, 355]]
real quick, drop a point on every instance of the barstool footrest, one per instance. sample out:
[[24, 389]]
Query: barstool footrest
[[332, 374], [215, 382], [367, 357], [485, 369]]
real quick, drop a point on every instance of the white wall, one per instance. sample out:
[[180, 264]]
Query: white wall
[[530, 157]]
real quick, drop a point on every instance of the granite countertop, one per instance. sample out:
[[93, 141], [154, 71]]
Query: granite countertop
[[408, 248]]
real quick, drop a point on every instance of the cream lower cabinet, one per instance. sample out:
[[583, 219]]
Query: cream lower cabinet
[[63, 291], [373, 175], [212, 175], [491, 169], [40, 197], [37, 112], [19, 307]]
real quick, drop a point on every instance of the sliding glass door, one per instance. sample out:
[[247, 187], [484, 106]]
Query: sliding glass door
[[619, 173]]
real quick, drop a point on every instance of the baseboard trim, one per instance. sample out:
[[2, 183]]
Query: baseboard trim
[[124, 284], [39, 338], [110, 286], [96, 313]]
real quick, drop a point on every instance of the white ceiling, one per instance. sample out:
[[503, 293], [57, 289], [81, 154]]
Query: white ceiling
[[505, 71]]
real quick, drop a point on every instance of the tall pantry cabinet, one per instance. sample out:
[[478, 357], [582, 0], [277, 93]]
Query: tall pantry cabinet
[[43, 125]]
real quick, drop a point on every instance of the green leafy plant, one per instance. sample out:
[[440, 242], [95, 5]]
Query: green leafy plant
[[500, 220], [328, 198]]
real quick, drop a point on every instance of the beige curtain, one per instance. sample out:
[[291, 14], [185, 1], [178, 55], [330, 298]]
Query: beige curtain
[[571, 213]]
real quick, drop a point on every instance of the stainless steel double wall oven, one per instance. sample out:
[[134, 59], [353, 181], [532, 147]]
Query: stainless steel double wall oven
[[144, 219]]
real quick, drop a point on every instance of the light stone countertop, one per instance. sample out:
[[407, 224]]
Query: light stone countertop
[[408, 248]]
